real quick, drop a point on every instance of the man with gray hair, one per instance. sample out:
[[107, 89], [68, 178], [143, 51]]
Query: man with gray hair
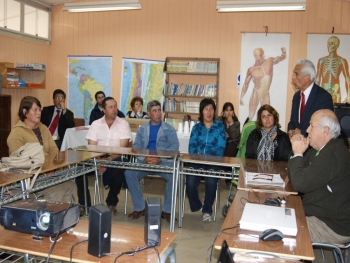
[[153, 135], [308, 99], [322, 174]]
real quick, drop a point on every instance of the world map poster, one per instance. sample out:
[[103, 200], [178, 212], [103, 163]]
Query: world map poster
[[143, 78], [86, 76]]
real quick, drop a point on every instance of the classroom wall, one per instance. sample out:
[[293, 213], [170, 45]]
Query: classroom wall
[[169, 28]]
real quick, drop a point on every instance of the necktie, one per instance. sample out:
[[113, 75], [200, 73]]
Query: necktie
[[302, 105], [54, 123]]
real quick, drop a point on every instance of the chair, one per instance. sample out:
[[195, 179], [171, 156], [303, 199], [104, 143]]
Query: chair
[[247, 129], [336, 249], [79, 122]]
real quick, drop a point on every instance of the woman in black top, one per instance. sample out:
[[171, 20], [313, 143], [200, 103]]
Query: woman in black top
[[267, 141], [136, 106], [232, 128]]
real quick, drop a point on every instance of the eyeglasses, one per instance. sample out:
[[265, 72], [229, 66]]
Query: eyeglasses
[[59, 98]]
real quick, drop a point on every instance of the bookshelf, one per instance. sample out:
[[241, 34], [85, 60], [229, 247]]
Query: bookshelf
[[188, 81], [33, 78]]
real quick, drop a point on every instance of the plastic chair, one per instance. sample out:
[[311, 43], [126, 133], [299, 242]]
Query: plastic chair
[[247, 129], [79, 122], [336, 249]]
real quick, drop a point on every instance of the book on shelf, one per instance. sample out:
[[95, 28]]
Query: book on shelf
[[264, 179], [192, 66]]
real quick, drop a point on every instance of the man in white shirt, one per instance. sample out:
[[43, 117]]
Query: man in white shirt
[[111, 131]]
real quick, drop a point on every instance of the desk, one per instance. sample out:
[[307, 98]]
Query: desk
[[256, 166], [74, 138], [244, 241], [8, 178], [123, 238], [64, 166], [140, 166], [229, 162]]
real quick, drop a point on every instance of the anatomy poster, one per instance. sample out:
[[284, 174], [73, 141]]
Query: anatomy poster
[[264, 74], [331, 56]]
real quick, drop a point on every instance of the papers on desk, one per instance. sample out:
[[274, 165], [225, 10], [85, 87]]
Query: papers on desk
[[257, 217], [264, 179]]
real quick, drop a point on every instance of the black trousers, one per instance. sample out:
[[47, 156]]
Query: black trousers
[[116, 179]]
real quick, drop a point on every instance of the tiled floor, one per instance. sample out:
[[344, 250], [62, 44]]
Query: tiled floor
[[195, 238]]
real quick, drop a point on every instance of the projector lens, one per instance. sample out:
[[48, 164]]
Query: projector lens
[[43, 222]]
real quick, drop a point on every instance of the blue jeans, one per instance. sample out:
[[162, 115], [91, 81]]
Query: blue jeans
[[132, 178], [192, 182]]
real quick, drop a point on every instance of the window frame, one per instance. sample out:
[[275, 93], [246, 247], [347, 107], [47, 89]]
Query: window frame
[[21, 33]]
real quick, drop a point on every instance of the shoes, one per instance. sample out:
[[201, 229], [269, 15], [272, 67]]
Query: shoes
[[206, 218], [82, 211], [137, 214], [200, 199], [167, 216], [113, 209]]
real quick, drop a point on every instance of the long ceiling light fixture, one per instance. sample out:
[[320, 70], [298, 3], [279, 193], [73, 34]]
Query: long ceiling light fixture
[[102, 6], [260, 5]]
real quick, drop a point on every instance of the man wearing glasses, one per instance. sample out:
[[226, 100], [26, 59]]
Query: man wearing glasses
[[57, 117]]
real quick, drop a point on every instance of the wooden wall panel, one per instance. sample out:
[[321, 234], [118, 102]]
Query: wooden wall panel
[[169, 28]]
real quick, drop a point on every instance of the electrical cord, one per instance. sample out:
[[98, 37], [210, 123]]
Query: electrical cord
[[71, 249], [212, 246], [132, 252], [57, 234]]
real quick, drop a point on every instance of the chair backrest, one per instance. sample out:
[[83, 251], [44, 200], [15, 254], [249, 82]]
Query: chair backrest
[[79, 122], [247, 129]]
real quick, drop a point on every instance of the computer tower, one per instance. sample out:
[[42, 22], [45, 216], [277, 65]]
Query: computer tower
[[100, 223], [153, 211]]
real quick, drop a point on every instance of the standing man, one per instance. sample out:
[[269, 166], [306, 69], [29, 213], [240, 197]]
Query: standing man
[[57, 117], [261, 73], [97, 111], [153, 135], [329, 69], [322, 174], [109, 131], [308, 99]]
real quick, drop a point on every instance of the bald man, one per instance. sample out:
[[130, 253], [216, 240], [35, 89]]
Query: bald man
[[261, 73], [323, 176], [329, 69]]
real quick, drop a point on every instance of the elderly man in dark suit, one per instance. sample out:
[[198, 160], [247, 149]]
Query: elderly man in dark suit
[[57, 117], [308, 99]]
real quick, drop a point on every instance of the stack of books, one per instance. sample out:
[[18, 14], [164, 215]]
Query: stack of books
[[193, 67], [190, 90]]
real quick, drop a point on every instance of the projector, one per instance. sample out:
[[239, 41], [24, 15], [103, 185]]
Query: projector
[[39, 217]]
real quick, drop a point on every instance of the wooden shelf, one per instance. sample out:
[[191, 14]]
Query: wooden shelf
[[183, 76], [34, 78]]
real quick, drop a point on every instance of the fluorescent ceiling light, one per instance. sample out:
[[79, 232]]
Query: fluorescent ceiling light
[[102, 6], [260, 5]]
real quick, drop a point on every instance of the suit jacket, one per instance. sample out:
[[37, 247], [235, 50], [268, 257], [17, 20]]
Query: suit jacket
[[318, 99], [66, 120]]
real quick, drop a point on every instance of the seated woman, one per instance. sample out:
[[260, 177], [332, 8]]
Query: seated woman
[[30, 129], [136, 105], [207, 138], [267, 141], [232, 127]]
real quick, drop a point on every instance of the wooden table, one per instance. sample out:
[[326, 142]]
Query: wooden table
[[7, 178], [57, 168], [123, 238], [141, 166], [238, 240], [256, 166]]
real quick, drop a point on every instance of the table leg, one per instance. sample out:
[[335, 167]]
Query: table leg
[[23, 188], [173, 196], [168, 253], [181, 189], [97, 185]]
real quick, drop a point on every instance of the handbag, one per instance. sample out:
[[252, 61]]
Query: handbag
[[29, 156]]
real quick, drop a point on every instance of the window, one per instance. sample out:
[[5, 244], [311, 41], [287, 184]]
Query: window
[[25, 18]]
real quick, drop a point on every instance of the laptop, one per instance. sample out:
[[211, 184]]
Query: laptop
[[258, 217], [225, 254]]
